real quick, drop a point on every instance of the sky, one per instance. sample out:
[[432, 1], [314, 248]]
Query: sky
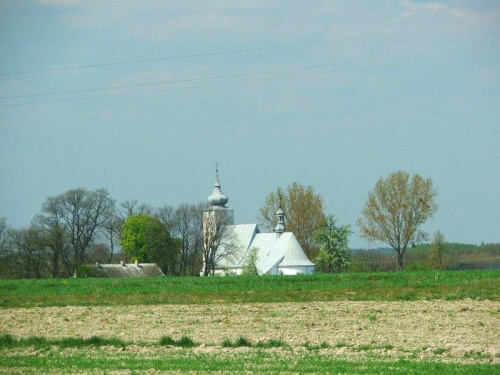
[[143, 98]]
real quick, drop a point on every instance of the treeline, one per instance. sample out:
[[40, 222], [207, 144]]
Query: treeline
[[81, 226], [454, 256]]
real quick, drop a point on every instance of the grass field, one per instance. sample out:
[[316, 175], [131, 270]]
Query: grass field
[[406, 286], [406, 323]]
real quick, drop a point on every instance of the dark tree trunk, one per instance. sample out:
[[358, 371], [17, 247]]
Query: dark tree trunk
[[400, 260]]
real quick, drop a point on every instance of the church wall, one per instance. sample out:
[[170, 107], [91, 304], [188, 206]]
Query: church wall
[[296, 270]]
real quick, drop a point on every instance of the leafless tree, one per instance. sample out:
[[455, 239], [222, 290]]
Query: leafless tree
[[4, 235], [132, 207], [32, 250], [196, 251], [111, 232], [7, 256], [82, 214], [167, 215], [219, 240], [57, 240], [185, 223]]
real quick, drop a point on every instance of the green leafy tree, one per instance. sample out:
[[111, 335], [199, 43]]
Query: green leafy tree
[[304, 214], [396, 209], [250, 265], [145, 238], [334, 254]]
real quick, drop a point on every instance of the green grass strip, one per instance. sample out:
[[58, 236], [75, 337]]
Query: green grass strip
[[395, 286], [260, 362]]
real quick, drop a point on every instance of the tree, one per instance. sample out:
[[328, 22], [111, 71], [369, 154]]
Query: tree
[[395, 210], [219, 241], [184, 223], [250, 266], [8, 258], [82, 213], [31, 248], [3, 235], [111, 231], [437, 251], [196, 252], [335, 254], [146, 239], [57, 240], [304, 215], [132, 207]]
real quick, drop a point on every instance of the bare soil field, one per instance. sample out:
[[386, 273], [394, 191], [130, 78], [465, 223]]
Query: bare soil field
[[463, 331]]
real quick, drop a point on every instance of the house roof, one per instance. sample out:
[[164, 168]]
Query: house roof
[[127, 270]]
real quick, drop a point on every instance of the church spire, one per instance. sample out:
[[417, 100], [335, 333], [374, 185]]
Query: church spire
[[280, 227], [217, 198]]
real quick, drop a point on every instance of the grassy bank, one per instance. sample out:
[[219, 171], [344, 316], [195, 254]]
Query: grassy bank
[[194, 290]]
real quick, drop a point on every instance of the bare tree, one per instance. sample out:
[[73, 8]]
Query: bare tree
[[395, 210], [167, 215], [57, 240], [219, 240], [111, 232], [185, 218], [196, 248], [185, 223], [7, 256], [4, 236], [30, 246], [82, 214], [132, 207]]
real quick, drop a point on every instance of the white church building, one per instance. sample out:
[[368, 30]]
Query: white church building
[[278, 253]]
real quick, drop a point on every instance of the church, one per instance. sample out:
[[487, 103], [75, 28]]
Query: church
[[277, 253]]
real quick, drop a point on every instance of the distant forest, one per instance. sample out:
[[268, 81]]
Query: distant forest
[[456, 256]]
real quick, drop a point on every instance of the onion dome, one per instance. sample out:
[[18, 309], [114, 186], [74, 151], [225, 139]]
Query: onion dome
[[217, 198]]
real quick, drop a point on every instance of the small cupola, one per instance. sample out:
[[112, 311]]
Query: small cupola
[[280, 227]]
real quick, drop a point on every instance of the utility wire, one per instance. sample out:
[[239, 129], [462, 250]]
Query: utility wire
[[188, 56], [226, 83], [244, 74]]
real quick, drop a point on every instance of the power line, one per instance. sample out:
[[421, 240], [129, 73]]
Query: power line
[[243, 74], [188, 56], [225, 83]]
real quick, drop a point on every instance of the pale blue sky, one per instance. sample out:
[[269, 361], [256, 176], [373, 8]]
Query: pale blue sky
[[405, 85]]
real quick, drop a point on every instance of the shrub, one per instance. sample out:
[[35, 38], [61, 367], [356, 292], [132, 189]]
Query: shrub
[[271, 344], [323, 345], [184, 342], [241, 341], [84, 271]]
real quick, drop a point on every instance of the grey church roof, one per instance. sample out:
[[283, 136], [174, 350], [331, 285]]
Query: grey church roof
[[274, 249], [127, 270]]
